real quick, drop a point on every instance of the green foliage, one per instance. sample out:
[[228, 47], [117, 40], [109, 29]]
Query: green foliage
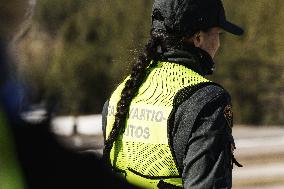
[[93, 44], [92, 49], [251, 67], [53, 13]]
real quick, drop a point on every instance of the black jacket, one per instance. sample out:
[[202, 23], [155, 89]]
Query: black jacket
[[200, 129]]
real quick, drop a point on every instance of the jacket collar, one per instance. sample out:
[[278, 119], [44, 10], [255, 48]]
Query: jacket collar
[[192, 57]]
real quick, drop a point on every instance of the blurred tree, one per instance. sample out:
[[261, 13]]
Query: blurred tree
[[80, 50], [52, 14], [252, 66], [87, 48]]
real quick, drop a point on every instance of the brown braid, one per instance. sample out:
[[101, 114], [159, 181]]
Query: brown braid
[[138, 74]]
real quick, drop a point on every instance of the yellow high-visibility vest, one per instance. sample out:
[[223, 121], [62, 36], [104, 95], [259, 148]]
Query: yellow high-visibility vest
[[142, 154]]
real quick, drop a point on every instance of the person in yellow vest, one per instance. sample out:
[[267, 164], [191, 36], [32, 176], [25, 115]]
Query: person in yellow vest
[[166, 125]]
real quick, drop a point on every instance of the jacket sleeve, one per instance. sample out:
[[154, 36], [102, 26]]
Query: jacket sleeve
[[206, 160]]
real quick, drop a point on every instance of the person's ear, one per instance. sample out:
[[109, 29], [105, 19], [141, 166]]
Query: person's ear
[[197, 39]]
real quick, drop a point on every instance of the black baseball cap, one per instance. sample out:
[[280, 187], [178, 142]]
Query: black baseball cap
[[186, 17]]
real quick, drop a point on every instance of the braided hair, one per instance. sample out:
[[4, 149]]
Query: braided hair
[[137, 76]]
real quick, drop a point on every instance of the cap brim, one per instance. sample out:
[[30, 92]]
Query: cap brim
[[232, 28]]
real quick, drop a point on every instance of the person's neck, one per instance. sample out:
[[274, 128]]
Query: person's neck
[[192, 57]]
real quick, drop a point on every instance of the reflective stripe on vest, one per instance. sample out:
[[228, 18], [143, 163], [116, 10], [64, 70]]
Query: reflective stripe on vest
[[142, 153]]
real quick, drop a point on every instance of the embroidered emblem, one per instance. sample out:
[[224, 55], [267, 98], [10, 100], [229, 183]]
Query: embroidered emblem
[[228, 114]]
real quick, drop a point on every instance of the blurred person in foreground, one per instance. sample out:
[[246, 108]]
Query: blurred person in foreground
[[166, 125], [30, 156], [12, 15]]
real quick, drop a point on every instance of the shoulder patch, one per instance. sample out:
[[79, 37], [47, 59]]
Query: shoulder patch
[[228, 114]]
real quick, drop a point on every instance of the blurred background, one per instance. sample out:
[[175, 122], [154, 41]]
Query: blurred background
[[87, 47], [74, 53]]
